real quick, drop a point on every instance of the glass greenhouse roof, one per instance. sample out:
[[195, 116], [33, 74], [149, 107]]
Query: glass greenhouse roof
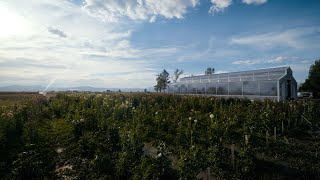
[[252, 75]]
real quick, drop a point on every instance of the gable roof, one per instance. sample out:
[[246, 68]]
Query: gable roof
[[251, 75]]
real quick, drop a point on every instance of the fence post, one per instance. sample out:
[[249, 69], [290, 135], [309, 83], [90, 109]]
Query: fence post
[[232, 155], [246, 139], [267, 138], [208, 173], [275, 133]]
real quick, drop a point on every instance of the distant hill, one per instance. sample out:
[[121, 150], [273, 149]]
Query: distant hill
[[20, 88]]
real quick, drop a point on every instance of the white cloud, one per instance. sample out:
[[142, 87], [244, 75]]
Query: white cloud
[[114, 10], [219, 5], [281, 59], [245, 62], [257, 2], [57, 32], [293, 38]]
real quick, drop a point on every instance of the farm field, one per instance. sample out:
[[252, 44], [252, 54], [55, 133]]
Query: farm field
[[157, 136], [12, 98]]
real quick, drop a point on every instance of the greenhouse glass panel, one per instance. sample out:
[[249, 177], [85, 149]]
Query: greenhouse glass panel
[[224, 80], [214, 80], [205, 80], [268, 88], [247, 78], [261, 73], [261, 77], [213, 77], [222, 89], [201, 89], [211, 89], [192, 89], [196, 80], [247, 74], [280, 72], [183, 89], [275, 76], [235, 88], [233, 79], [250, 88], [223, 76], [234, 75]]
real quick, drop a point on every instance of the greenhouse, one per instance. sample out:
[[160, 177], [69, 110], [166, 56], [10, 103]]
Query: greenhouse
[[273, 83]]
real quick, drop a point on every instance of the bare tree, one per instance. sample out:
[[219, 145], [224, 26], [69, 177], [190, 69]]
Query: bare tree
[[177, 74]]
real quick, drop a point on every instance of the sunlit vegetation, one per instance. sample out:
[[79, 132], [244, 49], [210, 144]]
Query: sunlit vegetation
[[155, 136]]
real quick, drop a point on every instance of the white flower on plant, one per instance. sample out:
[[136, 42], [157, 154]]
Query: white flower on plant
[[133, 108], [59, 150], [190, 118], [159, 155], [195, 121], [211, 116], [156, 113], [81, 120]]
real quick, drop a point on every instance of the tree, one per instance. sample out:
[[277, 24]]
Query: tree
[[162, 81], [209, 71], [177, 74], [312, 83]]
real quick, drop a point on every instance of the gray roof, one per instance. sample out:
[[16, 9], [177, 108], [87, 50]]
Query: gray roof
[[252, 75]]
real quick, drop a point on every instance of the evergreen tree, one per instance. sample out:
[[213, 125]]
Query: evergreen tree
[[209, 71]]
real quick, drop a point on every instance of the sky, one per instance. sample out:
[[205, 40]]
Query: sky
[[126, 43]]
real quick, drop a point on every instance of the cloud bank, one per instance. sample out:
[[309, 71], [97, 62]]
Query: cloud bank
[[115, 10]]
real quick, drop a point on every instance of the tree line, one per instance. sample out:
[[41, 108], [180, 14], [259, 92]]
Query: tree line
[[312, 83]]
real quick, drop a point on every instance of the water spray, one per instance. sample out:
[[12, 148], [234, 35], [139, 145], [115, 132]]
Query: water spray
[[44, 92]]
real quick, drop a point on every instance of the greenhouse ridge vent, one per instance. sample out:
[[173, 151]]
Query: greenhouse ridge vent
[[273, 83]]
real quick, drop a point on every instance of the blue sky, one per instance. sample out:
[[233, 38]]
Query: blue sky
[[125, 43]]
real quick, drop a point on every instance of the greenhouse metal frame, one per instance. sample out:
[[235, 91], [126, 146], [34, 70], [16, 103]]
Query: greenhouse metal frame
[[272, 83]]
